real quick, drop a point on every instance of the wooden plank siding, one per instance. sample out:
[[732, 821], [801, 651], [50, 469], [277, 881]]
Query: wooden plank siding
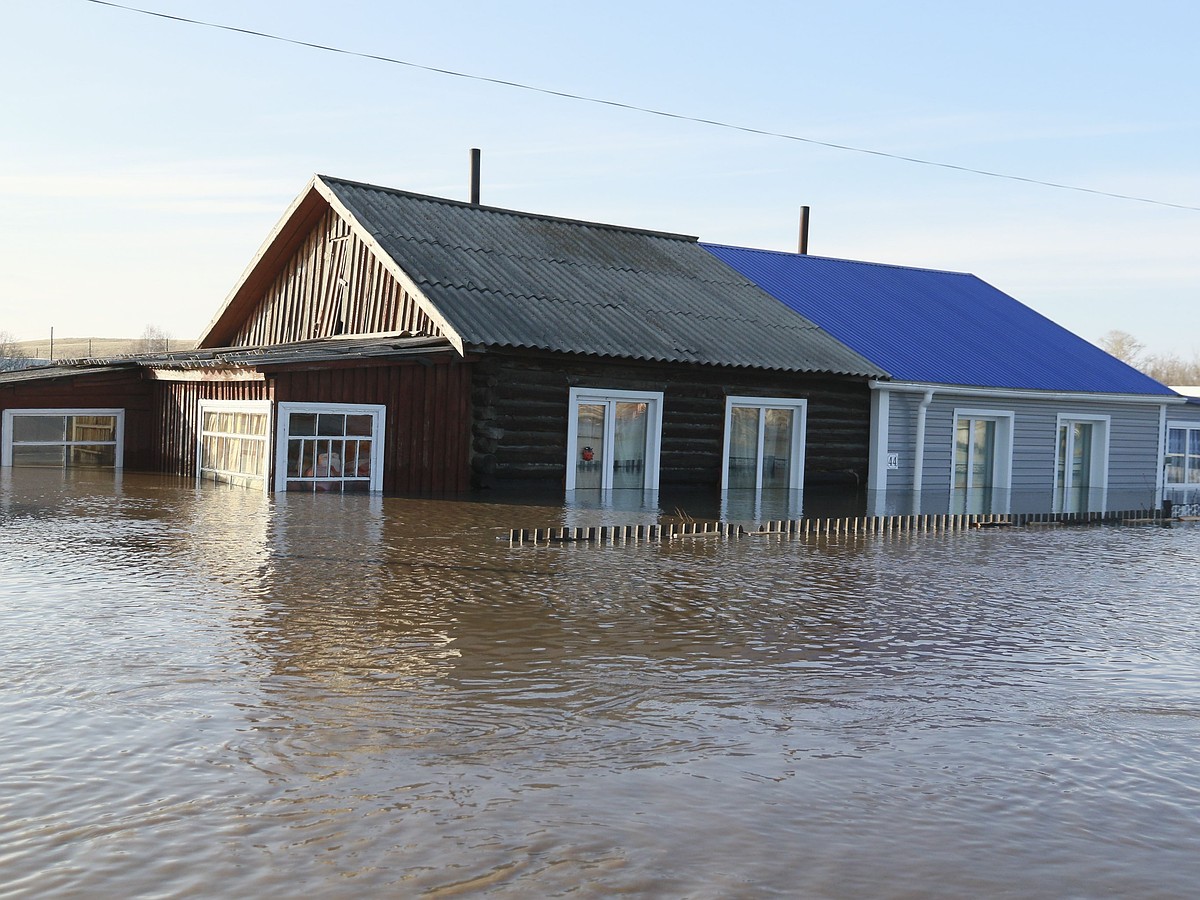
[[427, 426], [521, 406], [332, 285], [118, 389], [177, 422]]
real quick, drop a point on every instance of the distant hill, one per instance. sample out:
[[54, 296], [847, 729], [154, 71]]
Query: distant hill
[[81, 348]]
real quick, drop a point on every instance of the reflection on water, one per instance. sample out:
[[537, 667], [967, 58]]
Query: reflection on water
[[212, 694]]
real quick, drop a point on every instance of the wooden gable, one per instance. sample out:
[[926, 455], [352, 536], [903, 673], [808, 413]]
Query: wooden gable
[[332, 284]]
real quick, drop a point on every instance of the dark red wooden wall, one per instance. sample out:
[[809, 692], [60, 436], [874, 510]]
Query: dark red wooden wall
[[177, 423], [427, 428], [115, 389]]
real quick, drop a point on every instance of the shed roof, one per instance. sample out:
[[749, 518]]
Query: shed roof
[[298, 354], [936, 327], [501, 278]]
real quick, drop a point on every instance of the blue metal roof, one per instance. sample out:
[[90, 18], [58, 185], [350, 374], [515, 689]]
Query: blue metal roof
[[936, 327]]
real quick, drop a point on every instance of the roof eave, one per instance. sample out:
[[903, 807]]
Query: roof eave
[[1021, 393]]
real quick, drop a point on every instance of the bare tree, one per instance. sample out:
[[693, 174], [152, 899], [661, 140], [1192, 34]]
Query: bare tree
[[153, 340], [1168, 368], [1123, 345], [11, 356], [1165, 368]]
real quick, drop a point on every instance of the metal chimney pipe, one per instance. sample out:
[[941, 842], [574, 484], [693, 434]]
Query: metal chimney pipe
[[475, 176], [803, 230]]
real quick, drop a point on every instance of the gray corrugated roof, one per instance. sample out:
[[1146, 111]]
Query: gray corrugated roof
[[508, 279]]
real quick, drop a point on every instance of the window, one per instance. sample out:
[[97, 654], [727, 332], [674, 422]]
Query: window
[[64, 438], [1081, 464], [334, 447], [613, 438], [1183, 456], [764, 444], [233, 443], [982, 461]]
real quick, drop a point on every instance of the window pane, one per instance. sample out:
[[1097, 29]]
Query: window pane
[[743, 447], [300, 455], [102, 456], [91, 428], [1175, 469], [590, 446], [629, 445], [984, 453], [1060, 475], [962, 449], [302, 424], [1194, 441], [360, 425], [777, 448], [331, 424], [208, 447], [357, 459], [1193, 474], [34, 455], [39, 428], [1081, 458]]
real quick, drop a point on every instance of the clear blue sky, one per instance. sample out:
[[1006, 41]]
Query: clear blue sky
[[145, 160]]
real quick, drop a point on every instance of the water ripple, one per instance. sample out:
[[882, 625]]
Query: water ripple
[[209, 694]]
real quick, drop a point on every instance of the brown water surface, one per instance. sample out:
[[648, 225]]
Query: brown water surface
[[209, 694]]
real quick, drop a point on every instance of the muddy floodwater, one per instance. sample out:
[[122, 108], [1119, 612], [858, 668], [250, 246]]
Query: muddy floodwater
[[205, 693]]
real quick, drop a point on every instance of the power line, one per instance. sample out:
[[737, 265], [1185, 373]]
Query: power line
[[647, 110]]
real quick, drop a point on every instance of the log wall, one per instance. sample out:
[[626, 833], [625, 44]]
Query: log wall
[[521, 407]]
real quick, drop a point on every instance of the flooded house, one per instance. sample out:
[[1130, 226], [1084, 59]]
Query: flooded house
[[990, 407], [382, 340]]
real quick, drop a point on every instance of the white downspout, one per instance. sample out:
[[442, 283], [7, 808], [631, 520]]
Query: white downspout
[[1160, 479], [918, 479]]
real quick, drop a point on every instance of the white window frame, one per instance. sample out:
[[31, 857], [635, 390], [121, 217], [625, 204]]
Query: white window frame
[[1098, 475], [1185, 427], [799, 436], [1002, 467], [6, 444], [377, 411], [257, 407], [654, 417]]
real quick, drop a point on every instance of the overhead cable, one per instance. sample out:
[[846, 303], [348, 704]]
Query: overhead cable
[[644, 109]]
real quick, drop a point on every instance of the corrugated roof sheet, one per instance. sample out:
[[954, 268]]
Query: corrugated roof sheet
[[511, 279], [300, 353], [936, 327]]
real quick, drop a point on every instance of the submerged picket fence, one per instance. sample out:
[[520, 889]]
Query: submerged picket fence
[[817, 527]]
